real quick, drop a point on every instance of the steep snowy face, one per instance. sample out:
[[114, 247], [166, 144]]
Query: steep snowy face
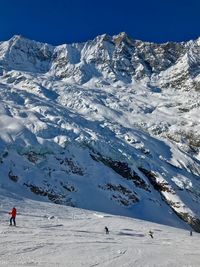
[[22, 54], [117, 58], [111, 124], [184, 74]]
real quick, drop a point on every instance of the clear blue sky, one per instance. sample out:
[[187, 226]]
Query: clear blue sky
[[67, 21]]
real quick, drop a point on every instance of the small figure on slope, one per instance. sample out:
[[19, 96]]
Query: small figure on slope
[[13, 214], [106, 230], [151, 234]]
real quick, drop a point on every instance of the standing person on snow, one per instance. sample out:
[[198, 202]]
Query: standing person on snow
[[13, 214], [106, 230], [151, 234]]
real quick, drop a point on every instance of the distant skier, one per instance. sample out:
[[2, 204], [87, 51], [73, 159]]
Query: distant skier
[[106, 230], [190, 232], [151, 234], [13, 214]]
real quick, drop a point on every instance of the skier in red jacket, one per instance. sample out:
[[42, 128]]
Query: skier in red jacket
[[13, 214]]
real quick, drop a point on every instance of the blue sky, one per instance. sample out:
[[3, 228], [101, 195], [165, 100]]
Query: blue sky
[[67, 21]]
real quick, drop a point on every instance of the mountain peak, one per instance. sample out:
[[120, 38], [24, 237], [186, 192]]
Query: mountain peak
[[122, 37], [103, 37], [17, 37], [22, 40]]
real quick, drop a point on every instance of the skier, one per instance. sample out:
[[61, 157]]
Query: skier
[[106, 230], [151, 234], [13, 214]]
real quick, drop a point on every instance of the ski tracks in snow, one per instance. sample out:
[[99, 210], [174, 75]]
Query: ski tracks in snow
[[75, 238]]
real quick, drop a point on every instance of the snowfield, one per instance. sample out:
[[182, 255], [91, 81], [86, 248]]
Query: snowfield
[[53, 235]]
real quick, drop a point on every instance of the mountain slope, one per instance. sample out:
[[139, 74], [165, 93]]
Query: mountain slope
[[109, 125]]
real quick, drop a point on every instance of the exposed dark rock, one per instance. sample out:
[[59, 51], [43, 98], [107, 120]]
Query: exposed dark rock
[[69, 188], [73, 166], [122, 169], [158, 185], [32, 157], [164, 187], [52, 196], [192, 221], [13, 177], [5, 154], [126, 196]]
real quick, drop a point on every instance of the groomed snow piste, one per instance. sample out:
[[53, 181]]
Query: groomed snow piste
[[53, 235]]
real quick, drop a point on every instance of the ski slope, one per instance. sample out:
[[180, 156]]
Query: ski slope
[[53, 235]]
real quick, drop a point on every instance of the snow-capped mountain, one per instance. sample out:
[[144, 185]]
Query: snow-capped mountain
[[111, 125]]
